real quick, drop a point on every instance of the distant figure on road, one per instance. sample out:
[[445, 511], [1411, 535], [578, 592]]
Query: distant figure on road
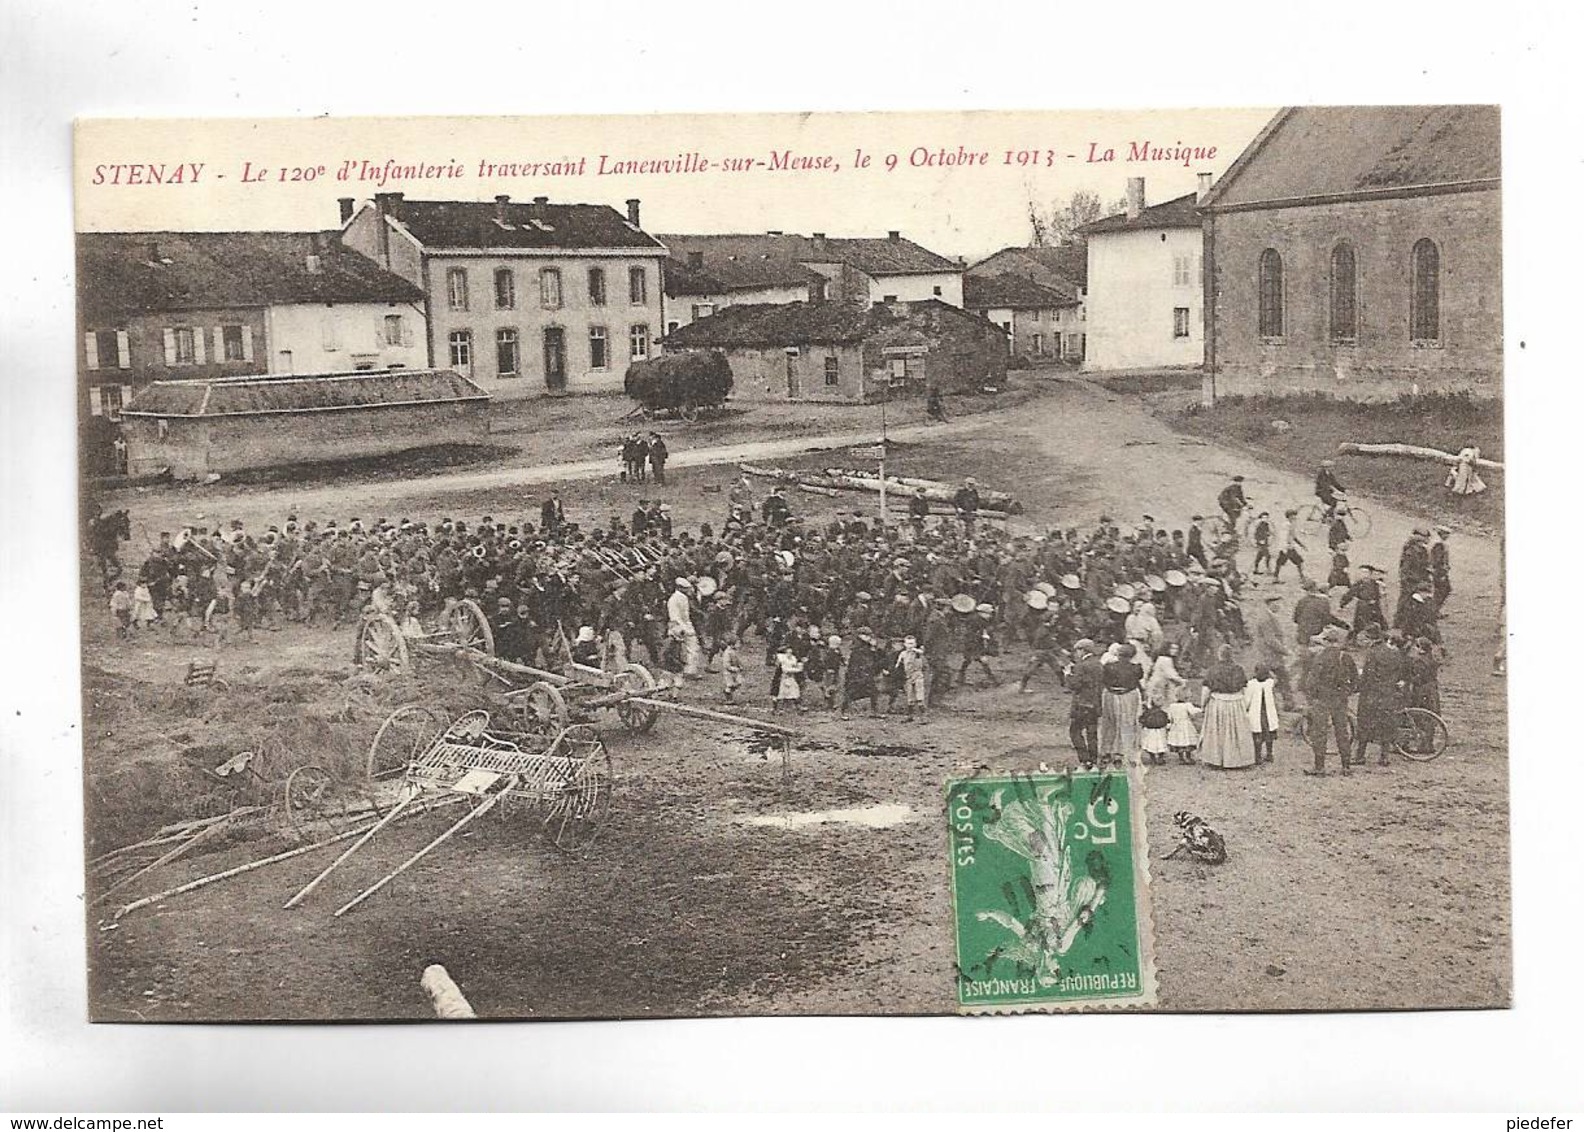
[[775, 509], [658, 455], [552, 515], [967, 503], [935, 406]]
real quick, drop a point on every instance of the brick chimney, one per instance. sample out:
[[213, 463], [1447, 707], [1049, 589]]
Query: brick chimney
[[819, 235], [541, 200], [1135, 197], [1205, 181], [315, 261], [501, 201], [632, 212], [894, 236], [348, 206]]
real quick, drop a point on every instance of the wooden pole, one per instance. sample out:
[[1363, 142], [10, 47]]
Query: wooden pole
[[717, 716], [240, 869], [477, 812], [191, 843], [1415, 452], [175, 832], [358, 844]]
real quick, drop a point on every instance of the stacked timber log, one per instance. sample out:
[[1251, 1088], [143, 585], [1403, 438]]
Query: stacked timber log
[[830, 481], [1414, 452]]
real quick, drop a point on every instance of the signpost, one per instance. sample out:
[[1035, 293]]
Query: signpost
[[876, 452]]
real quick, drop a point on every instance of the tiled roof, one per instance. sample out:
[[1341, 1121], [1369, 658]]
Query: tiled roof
[[733, 263], [1183, 212], [881, 256], [1011, 292], [527, 226], [243, 396], [1311, 151], [1063, 267], [122, 273], [773, 325], [770, 253]]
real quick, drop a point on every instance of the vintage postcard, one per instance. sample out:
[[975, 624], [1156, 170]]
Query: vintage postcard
[[793, 564]]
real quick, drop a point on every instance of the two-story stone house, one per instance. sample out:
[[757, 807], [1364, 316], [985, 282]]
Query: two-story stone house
[[524, 298]]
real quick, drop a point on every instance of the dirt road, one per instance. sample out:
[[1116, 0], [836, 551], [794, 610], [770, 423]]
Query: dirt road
[[1386, 889]]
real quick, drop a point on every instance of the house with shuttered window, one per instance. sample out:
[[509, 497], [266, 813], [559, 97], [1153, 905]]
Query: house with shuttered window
[[526, 298], [163, 306]]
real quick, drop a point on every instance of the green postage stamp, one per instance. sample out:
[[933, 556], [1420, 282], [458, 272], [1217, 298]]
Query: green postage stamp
[[1050, 882]]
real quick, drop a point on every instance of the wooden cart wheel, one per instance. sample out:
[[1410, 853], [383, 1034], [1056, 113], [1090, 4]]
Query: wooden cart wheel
[[406, 733], [689, 412], [470, 627], [637, 718], [381, 646], [575, 817], [545, 708], [307, 796]]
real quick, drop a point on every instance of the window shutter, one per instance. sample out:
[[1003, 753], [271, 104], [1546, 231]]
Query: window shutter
[[91, 348], [379, 333], [126, 395], [170, 346], [199, 355], [95, 405], [123, 350], [247, 343], [407, 334], [218, 354]]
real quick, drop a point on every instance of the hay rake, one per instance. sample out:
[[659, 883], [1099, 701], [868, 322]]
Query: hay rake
[[567, 783]]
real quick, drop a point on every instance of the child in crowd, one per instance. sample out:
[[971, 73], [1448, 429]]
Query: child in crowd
[[730, 667], [1259, 696], [789, 669], [910, 663], [143, 612], [1155, 724], [1182, 733], [121, 609], [1263, 533]]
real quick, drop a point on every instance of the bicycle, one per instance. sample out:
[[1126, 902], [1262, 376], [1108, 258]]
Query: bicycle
[[1359, 521], [1421, 735]]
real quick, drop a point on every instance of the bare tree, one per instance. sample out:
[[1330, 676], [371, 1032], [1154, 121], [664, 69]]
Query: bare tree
[[1059, 223]]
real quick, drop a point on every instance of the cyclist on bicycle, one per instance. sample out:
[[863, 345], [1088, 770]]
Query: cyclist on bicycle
[[1233, 502], [1328, 489]]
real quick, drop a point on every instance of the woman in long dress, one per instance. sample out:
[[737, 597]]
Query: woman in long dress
[[1227, 740], [1120, 703]]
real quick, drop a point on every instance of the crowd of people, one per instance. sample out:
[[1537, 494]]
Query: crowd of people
[[1141, 624]]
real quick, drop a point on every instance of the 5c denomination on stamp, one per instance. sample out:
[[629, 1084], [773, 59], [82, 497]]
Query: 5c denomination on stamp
[[1050, 883]]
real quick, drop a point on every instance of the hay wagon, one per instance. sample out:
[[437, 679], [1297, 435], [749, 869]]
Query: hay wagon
[[687, 384]]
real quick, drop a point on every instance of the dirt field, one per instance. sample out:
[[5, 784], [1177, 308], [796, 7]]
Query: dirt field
[[1388, 889]]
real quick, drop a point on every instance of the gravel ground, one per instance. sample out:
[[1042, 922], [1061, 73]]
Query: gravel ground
[[1389, 889]]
